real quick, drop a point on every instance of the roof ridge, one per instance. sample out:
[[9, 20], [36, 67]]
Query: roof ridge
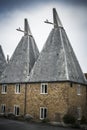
[[66, 68]]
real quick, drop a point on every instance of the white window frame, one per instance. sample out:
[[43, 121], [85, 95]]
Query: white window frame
[[42, 114], [43, 88], [79, 113], [15, 110], [3, 108], [4, 89], [79, 90], [17, 89]]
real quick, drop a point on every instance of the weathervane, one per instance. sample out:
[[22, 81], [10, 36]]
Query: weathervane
[[19, 29], [48, 22]]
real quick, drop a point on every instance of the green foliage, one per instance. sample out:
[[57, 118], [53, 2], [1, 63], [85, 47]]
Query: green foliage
[[45, 120], [83, 120], [10, 116], [69, 119], [28, 117]]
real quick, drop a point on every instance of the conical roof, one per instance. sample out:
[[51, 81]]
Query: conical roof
[[2, 61], [22, 60], [57, 61]]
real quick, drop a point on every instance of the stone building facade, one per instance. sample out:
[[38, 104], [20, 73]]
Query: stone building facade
[[46, 85], [58, 99]]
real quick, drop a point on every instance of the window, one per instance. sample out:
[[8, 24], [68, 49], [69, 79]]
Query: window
[[16, 110], [4, 89], [3, 108], [44, 88], [79, 113], [78, 90], [43, 112], [17, 88]]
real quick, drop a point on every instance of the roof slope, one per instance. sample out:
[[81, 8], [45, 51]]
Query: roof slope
[[2, 61], [57, 61], [23, 59]]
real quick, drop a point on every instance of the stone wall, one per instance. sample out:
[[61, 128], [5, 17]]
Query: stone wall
[[56, 101], [60, 99], [77, 100], [11, 98]]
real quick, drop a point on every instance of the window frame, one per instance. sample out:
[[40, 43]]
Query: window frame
[[3, 108], [42, 115], [17, 88], [4, 89], [44, 88], [79, 89], [15, 110], [79, 113]]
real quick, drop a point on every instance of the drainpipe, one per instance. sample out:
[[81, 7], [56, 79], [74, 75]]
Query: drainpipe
[[25, 98], [86, 101]]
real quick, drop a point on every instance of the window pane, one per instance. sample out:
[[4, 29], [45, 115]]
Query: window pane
[[17, 110], [4, 88], [42, 88], [45, 88], [41, 112], [3, 108], [45, 113], [17, 88], [78, 90], [79, 113]]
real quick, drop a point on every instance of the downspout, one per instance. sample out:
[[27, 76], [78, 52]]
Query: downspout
[[25, 99], [86, 101]]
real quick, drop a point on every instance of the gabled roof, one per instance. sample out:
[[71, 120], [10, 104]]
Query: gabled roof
[[2, 61], [22, 60], [57, 61]]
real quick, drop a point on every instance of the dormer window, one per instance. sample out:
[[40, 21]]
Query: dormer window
[[3, 108], [4, 89], [79, 113], [43, 113], [78, 90], [44, 88], [16, 110], [17, 88]]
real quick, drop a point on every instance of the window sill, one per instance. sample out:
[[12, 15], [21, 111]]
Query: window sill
[[43, 93], [17, 115], [3, 92], [79, 119], [17, 93], [79, 94], [42, 118]]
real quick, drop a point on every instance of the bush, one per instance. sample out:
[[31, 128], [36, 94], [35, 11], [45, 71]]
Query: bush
[[76, 125], [45, 120], [2, 115], [10, 115], [28, 117], [83, 120], [69, 119], [19, 118]]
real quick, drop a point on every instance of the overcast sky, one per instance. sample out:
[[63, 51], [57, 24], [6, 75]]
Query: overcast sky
[[73, 14]]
